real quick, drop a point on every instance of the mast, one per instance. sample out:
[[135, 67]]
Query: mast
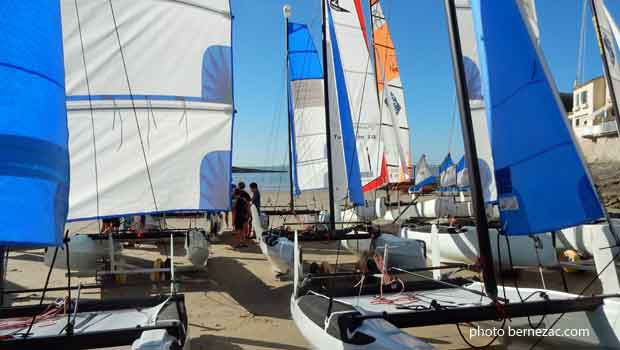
[[328, 133], [486, 257], [610, 85], [286, 11]]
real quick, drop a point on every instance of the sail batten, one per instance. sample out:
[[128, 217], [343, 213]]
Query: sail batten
[[149, 95], [532, 197]]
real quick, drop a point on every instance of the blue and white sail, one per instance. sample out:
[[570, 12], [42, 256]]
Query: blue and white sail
[[530, 136], [462, 175], [447, 173], [610, 40], [424, 177], [150, 125], [477, 102], [307, 110], [353, 103], [34, 162]]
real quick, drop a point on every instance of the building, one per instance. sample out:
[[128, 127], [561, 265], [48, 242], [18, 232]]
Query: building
[[592, 115], [593, 121]]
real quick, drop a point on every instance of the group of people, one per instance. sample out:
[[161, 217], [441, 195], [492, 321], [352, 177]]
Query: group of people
[[242, 202]]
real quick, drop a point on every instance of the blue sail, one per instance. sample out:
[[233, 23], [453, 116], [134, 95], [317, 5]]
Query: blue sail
[[34, 162], [542, 181]]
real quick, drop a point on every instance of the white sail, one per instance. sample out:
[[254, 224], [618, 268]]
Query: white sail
[[394, 123], [360, 85], [610, 36], [476, 98], [150, 125], [423, 174]]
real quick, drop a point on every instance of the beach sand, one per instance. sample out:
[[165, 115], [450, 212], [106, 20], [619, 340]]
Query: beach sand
[[237, 303]]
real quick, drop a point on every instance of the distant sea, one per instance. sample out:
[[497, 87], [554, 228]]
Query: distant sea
[[267, 181], [277, 181]]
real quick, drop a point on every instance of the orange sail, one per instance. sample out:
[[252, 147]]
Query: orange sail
[[394, 124]]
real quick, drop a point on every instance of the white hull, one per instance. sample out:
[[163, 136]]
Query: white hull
[[462, 247], [431, 208], [581, 238], [86, 253], [599, 328], [387, 337], [279, 253], [197, 248], [403, 253]]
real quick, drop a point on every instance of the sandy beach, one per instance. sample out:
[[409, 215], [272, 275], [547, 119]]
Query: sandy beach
[[237, 302]]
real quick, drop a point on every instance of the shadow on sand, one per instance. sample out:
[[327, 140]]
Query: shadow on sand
[[231, 276]]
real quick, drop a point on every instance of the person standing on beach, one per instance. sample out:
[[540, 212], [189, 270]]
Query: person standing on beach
[[255, 195], [241, 217]]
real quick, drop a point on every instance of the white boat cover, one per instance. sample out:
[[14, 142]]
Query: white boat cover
[[150, 125]]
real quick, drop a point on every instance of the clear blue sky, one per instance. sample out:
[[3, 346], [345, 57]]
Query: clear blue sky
[[419, 32]]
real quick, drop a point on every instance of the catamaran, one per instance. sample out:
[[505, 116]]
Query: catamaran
[[518, 87], [307, 155], [150, 120], [79, 102], [37, 176], [345, 69], [459, 244]]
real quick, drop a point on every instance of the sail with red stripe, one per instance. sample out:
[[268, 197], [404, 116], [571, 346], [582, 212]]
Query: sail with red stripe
[[394, 124], [350, 60]]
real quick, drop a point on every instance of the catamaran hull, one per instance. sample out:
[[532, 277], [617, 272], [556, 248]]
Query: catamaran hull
[[84, 253], [431, 208], [462, 247], [279, 253], [581, 238], [403, 253], [127, 322], [197, 248], [598, 329], [386, 336]]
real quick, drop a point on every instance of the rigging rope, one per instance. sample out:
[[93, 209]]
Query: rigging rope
[[581, 53], [583, 290]]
